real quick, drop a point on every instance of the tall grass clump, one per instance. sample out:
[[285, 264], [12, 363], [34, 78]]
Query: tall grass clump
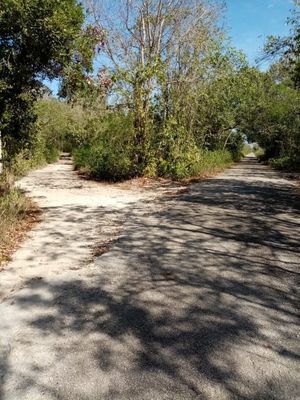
[[14, 210]]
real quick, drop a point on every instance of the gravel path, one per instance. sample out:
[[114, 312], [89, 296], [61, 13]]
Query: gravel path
[[197, 299]]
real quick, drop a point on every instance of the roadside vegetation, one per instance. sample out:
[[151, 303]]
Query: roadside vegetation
[[275, 123], [17, 216], [37, 38], [171, 98]]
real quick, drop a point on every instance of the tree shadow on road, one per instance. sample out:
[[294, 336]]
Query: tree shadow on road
[[197, 301]]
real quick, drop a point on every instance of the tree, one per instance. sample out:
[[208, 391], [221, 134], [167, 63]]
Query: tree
[[275, 121], [155, 49], [272, 119], [36, 42], [78, 81], [287, 49]]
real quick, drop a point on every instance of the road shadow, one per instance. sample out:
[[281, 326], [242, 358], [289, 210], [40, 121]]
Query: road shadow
[[196, 301]]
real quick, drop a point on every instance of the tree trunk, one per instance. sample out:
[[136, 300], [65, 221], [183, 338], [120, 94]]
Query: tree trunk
[[141, 127]]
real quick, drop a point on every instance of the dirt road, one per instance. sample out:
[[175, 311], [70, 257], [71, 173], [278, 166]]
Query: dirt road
[[198, 298]]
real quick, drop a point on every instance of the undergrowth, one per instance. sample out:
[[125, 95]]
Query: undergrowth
[[288, 164], [168, 154], [17, 215]]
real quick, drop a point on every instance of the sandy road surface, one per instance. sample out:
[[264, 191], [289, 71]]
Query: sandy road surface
[[198, 298], [77, 215]]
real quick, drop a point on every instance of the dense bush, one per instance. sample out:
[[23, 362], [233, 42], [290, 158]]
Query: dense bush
[[37, 41], [100, 161], [273, 122], [105, 161], [14, 209], [104, 148], [62, 126], [38, 155], [168, 113], [285, 163], [174, 154], [103, 144]]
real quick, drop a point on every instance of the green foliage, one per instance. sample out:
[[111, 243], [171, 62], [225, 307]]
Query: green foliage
[[14, 207], [25, 160], [37, 35], [273, 120], [36, 41], [78, 83], [103, 162], [6, 182], [42, 150], [172, 113], [170, 154], [236, 146], [258, 151], [192, 163], [247, 149], [286, 163], [14, 204], [60, 125], [108, 153], [175, 155], [180, 114], [287, 49]]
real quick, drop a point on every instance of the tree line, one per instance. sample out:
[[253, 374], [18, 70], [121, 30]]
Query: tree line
[[147, 87]]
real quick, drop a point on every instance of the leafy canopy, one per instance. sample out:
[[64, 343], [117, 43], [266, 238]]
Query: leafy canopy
[[287, 49], [36, 41]]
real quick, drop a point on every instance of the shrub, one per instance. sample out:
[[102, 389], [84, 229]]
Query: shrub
[[67, 127], [285, 163], [196, 163], [175, 155], [6, 182], [103, 144], [110, 154], [101, 161], [169, 154], [27, 160], [14, 207], [258, 151]]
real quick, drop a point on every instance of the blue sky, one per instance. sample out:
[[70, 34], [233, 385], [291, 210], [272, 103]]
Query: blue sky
[[251, 21]]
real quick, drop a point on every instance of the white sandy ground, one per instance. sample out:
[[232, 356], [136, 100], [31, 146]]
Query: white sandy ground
[[198, 298], [77, 215]]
